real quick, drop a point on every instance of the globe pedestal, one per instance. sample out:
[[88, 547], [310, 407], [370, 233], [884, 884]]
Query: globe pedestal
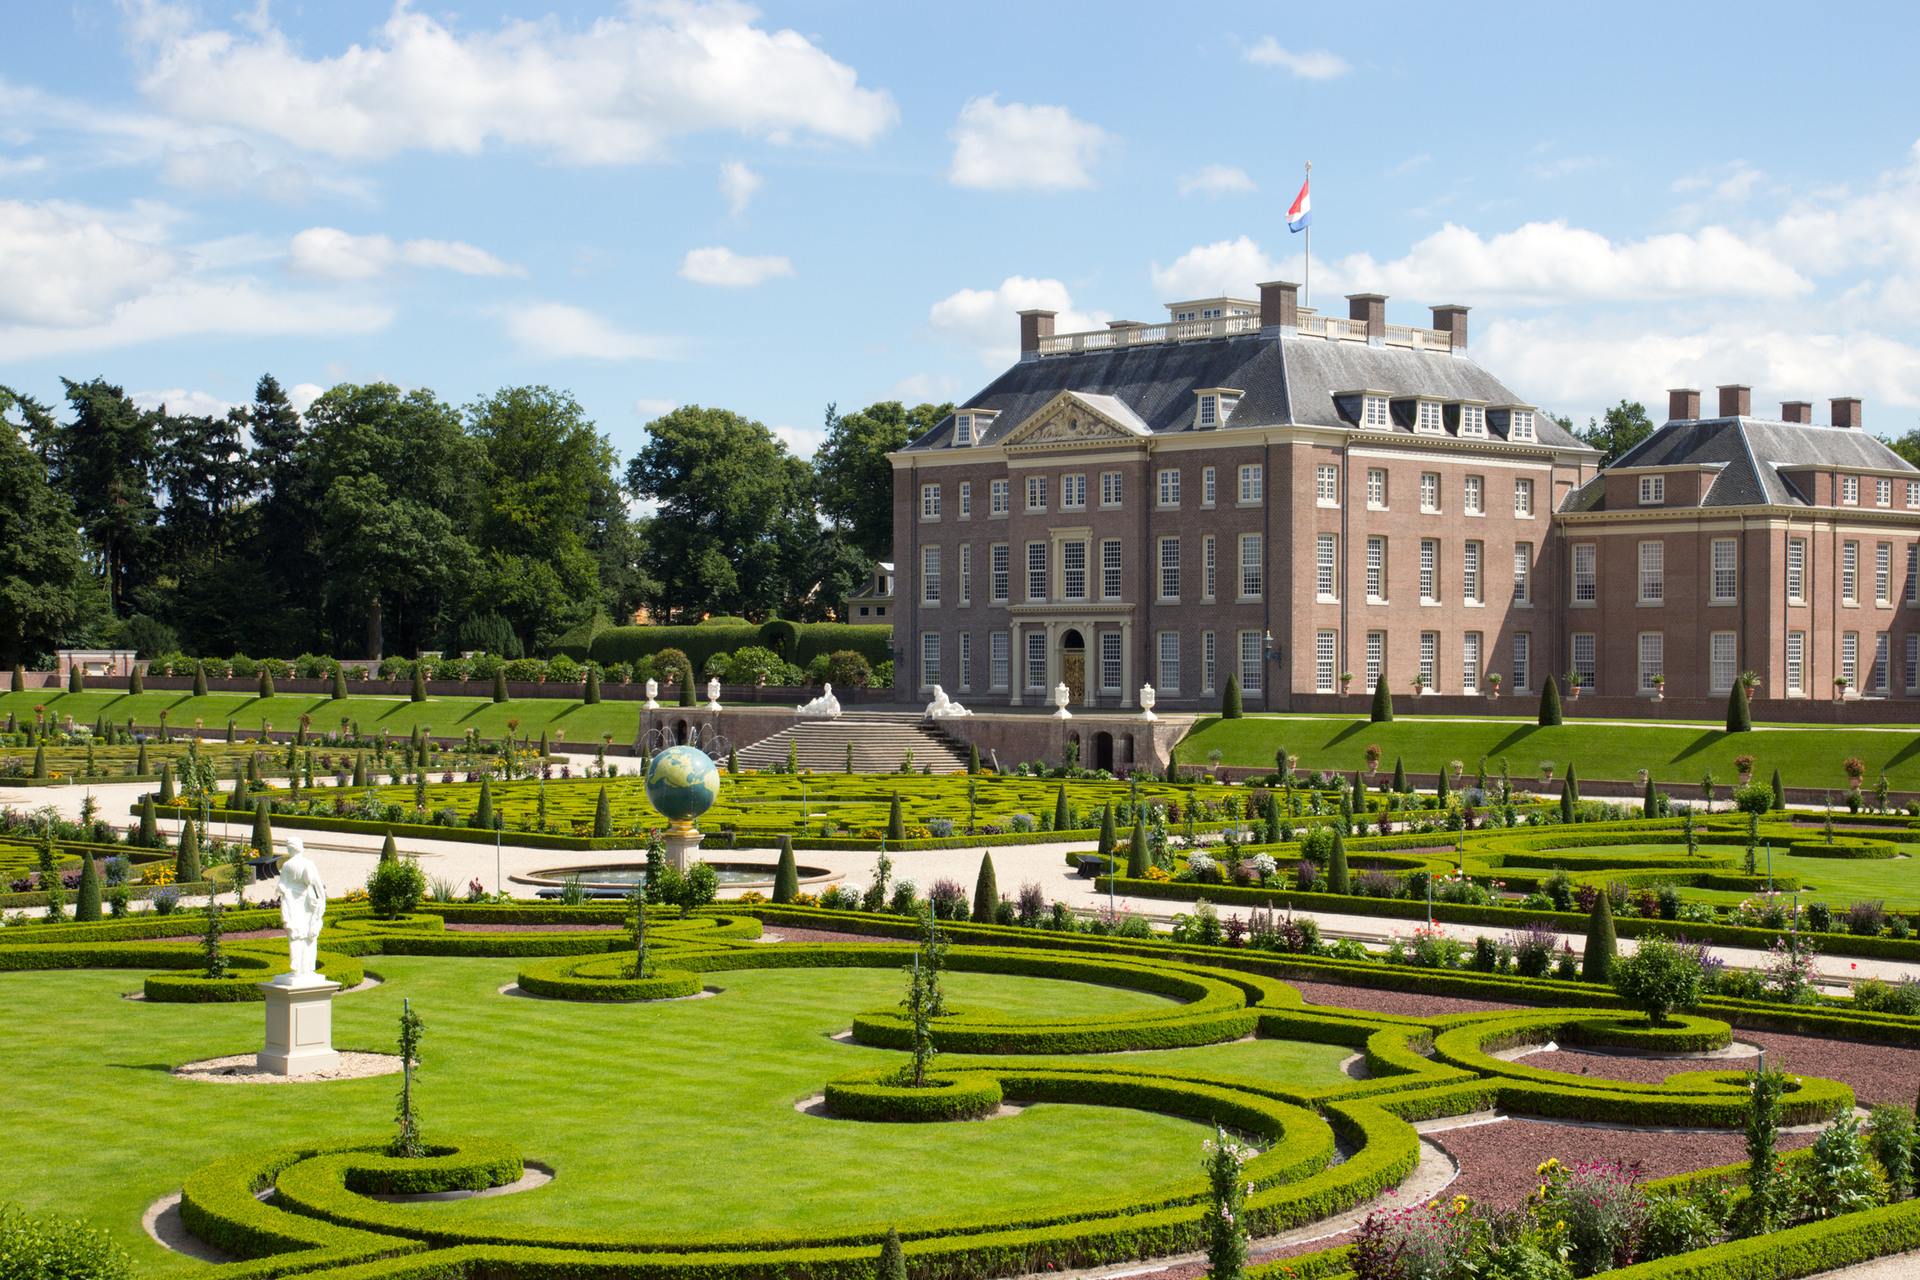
[[683, 845]]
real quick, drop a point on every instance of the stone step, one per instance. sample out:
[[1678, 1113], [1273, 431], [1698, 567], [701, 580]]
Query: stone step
[[879, 746]]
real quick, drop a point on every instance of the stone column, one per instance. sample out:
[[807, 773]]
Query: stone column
[[1090, 665], [1016, 663], [1126, 663]]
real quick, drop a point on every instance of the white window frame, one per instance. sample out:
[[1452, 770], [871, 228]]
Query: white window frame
[[1073, 492], [1523, 574], [1912, 591], [1000, 658], [1473, 422], [1913, 661], [929, 502], [1073, 577], [1470, 572], [1208, 486], [1326, 646], [1251, 484], [1377, 488], [1882, 493], [1850, 658], [1520, 425], [930, 574], [966, 499], [1474, 495], [1883, 573], [1326, 485], [1208, 555], [1523, 498], [1913, 493], [1470, 662], [1653, 491], [1584, 661], [1253, 662], [1167, 666], [1522, 660], [1375, 412], [963, 430], [1723, 661], [1376, 658], [1325, 567], [929, 659], [1376, 569], [1880, 675], [1036, 570], [1110, 569], [1209, 410], [1036, 493], [966, 573], [1850, 491], [1725, 577], [1111, 656], [1430, 659], [1652, 653], [1849, 572], [966, 659], [1653, 572], [1430, 492], [1796, 570], [1209, 661], [1796, 662], [1586, 573], [1253, 570], [1170, 569], [1169, 487], [1429, 418], [1000, 497], [1429, 571], [1111, 488], [1000, 566]]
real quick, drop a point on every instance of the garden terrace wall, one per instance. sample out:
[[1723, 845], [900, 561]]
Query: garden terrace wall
[[1590, 788], [1825, 711]]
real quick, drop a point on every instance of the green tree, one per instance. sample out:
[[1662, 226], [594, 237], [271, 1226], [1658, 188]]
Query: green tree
[[40, 566], [1062, 816], [483, 810], [591, 694], [1338, 880], [896, 824], [186, 859], [986, 891], [602, 817], [1382, 701], [1618, 431], [1109, 838], [104, 460], [1779, 792], [1550, 703], [893, 1259], [339, 683], [1597, 965], [855, 479], [786, 877], [149, 825], [1230, 700], [262, 829], [1137, 862], [86, 901], [389, 851], [1739, 714], [419, 691]]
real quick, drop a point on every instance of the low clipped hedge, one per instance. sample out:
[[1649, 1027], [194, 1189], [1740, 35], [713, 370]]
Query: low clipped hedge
[[242, 983], [1681, 1033], [606, 980], [881, 1096], [1842, 847]]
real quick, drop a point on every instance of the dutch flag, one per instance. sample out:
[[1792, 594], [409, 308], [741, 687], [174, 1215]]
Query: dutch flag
[[1300, 216]]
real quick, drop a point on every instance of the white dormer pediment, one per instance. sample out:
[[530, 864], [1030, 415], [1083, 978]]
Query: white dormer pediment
[[1073, 418]]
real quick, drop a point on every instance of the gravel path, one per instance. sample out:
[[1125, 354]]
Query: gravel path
[[1412, 1004]]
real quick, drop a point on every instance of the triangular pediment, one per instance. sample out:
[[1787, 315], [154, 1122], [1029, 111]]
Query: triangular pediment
[[1072, 418]]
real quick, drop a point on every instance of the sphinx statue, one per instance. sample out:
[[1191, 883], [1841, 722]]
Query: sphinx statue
[[943, 707]]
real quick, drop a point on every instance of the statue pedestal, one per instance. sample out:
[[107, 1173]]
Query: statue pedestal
[[683, 848], [299, 1025]]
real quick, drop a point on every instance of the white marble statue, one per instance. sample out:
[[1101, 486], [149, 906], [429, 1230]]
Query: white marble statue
[[303, 905], [943, 707], [824, 705]]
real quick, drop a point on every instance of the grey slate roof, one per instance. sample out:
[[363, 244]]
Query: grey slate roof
[[1753, 452], [1284, 381]]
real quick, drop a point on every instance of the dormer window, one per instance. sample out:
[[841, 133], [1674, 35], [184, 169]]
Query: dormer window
[[1180, 316], [1213, 405], [1374, 412], [963, 429], [1209, 410], [1429, 418], [1653, 491], [1520, 426], [1473, 422]]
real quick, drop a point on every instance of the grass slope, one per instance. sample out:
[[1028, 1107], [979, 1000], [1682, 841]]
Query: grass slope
[[1600, 749]]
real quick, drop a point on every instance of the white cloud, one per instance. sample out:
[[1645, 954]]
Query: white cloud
[[184, 402], [801, 442], [1223, 267], [302, 395], [230, 167], [555, 330], [651, 409], [1317, 65], [200, 307], [1216, 180], [66, 266], [1560, 168], [926, 388], [985, 319], [330, 253], [720, 266], [613, 92], [1001, 148], [738, 184]]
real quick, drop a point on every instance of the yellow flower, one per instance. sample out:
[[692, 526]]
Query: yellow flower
[[1547, 1167]]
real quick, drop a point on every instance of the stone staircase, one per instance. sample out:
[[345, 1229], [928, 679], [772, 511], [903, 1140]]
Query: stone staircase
[[881, 740]]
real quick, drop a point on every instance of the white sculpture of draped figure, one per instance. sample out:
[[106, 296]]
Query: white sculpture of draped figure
[[824, 705], [943, 707], [303, 909]]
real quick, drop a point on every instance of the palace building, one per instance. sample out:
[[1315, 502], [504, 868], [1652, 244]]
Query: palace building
[[1255, 490]]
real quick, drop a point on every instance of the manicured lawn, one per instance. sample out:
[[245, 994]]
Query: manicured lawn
[[1599, 749], [675, 1117]]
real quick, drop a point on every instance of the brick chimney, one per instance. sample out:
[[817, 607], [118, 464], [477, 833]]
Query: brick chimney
[[1683, 405], [1034, 325], [1736, 401], [1800, 411], [1846, 412], [1280, 305], [1371, 307], [1452, 319]]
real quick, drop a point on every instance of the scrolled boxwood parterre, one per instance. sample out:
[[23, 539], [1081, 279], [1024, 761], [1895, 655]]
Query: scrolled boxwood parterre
[[1681, 1033]]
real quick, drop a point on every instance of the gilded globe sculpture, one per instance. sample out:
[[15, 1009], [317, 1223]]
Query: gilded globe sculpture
[[682, 783]]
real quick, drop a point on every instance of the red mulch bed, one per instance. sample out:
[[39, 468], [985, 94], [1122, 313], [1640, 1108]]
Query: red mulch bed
[[825, 935], [1877, 1073], [1412, 1004], [534, 928], [248, 935]]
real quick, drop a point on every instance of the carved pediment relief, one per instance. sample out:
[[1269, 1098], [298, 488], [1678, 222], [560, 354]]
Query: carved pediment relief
[[1069, 419]]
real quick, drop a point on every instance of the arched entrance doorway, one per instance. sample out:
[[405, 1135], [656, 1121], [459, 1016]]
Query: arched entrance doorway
[[1103, 751], [1073, 664]]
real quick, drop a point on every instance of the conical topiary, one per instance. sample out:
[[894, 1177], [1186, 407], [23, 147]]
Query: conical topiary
[[1109, 838], [19, 678], [893, 1260], [896, 824], [1573, 783], [339, 683], [136, 683], [266, 681], [359, 768], [1739, 713], [141, 765], [1650, 803], [500, 683], [1359, 803], [230, 737], [1337, 878], [1382, 700], [1601, 946], [1230, 700], [1399, 777], [1061, 818], [546, 748], [1779, 792], [1566, 800], [986, 891], [77, 683], [186, 860], [262, 829], [973, 757], [149, 825], [686, 689], [733, 761], [786, 877], [1442, 790], [419, 693], [1173, 766], [1137, 855], [199, 680], [483, 811], [592, 694], [86, 903], [1550, 703], [389, 851], [602, 816], [39, 762]]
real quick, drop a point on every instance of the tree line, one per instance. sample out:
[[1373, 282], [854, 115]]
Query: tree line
[[388, 521]]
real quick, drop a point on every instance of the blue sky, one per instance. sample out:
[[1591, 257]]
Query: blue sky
[[771, 208]]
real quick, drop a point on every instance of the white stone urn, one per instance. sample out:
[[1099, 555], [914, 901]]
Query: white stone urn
[[1147, 697], [653, 695], [1061, 696], [713, 694]]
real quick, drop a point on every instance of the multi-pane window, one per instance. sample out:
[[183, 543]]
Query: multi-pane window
[[1110, 661], [1912, 592], [999, 497], [1250, 484], [998, 653], [929, 502], [1470, 662], [1583, 659], [1110, 569], [1522, 659], [1430, 659], [1429, 570], [963, 429], [1253, 663], [1796, 661], [1850, 657], [1252, 573], [1523, 497], [1376, 568], [1169, 662], [1036, 571], [1520, 425], [1036, 660], [1913, 493], [1470, 572], [966, 573], [1473, 421], [1430, 417], [1653, 572], [1326, 486], [966, 659], [1323, 557], [966, 498], [1001, 557], [1377, 487], [1036, 493], [1170, 487], [1208, 546], [1796, 570], [1585, 582], [1726, 569], [1374, 412], [1073, 570], [1209, 411], [1522, 572], [1475, 497], [1883, 493], [1208, 486], [1652, 664], [1376, 656], [1913, 660], [1169, 568], [1850, 490], [930, 575], [1429, 490], [1849, 571], [1880, 656], [1883, 573], [1653, 491], [1109, 488], [1209, 661], [1073, 493], [929, 659], [1324, 646], [1721, 661]]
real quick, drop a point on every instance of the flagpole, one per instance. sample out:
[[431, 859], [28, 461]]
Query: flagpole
[[1307, 274]]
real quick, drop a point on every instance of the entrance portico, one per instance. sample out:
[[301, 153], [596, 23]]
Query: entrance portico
[[1093, 644]]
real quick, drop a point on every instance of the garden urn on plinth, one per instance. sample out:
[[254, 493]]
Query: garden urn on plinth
[[682, 783], [299, 1038], [1147, 698], [653, 695], [1061, 696], [713, 694]]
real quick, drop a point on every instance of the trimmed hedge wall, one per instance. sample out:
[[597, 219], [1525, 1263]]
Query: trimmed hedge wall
[[607, 980], [1682, 1033], [964, 1096], [630, 644]]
